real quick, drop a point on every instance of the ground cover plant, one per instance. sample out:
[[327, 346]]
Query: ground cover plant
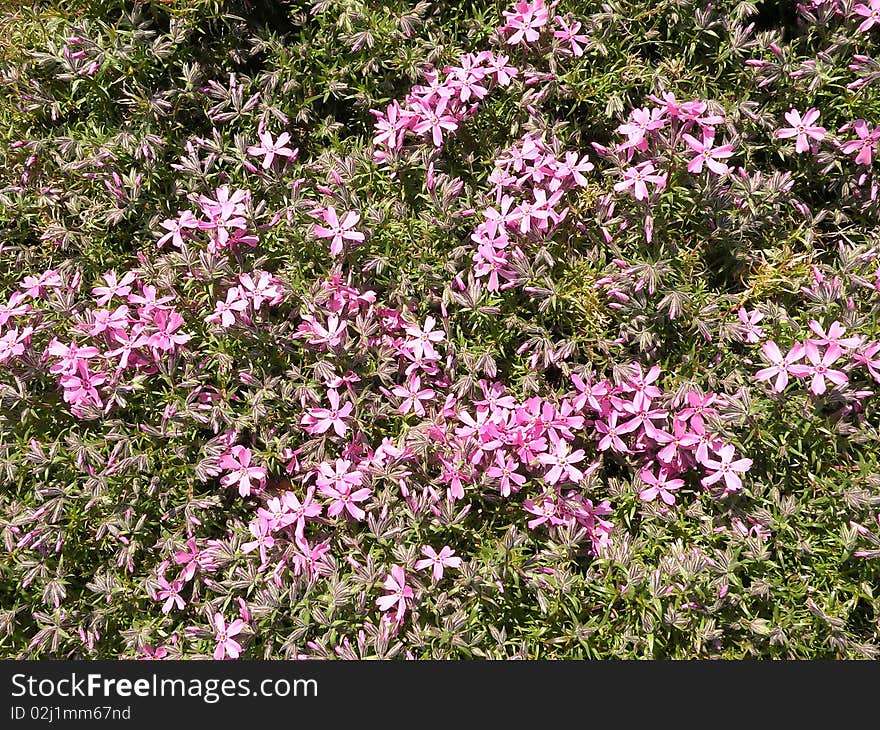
[[347, 329]]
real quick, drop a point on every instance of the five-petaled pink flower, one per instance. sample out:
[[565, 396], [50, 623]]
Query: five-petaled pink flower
[[398, 593], [780, 367], [270, 149], [708, 154], [242, 474], [446, 558], [819, 368], [226, 645], [338, 231], [659, 485], [726, 468], [320, 420], [802, 129]]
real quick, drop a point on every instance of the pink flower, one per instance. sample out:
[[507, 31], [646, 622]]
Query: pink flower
[[870, 14], [637, 177], [413, 395], [336, 230], [505, 470], [865, 145], [819, 368], [707, 154], [270, 149], [780, 367], [659, 486], [114, 288], [437, 561], [526, 21], [263, 539], [339, 483], [170, 594], [320, 420], [226, 645], [569, 34], [726, 469], [176, 228], [753, 333], [561, 464], [834, 336], [398, 593], [242, 474], [802, 129], [224, 312]]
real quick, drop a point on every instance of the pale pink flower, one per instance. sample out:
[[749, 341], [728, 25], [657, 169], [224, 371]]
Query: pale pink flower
[[726, 468], [270, 149], [446, 558], [398, 593], [336, 230], [803, 129]]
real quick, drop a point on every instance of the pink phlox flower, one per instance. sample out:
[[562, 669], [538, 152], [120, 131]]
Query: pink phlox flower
[[12, 343], [340, 483], [726, 468], [271, 148], [865, 144], [870, 13], [114, 288], [803, 129], [36, 286], [446, 558], [834, 336], [637, 178], [320, 420], [708, 154], [659, 485], [170, 593], [263, 540], [177, 228], [226, 645], [568, 33], [398, 593], [225, 311], [413, 394], [819, 368], [526, 21], [301, 511], [241, 474], [697, 407], [337, 230], [259, 287], [751, 332], [780, 367], [505, 470], [421, 340]]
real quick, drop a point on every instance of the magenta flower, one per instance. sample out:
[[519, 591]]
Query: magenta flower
[[505, 470], [726, 469], [398, 593], [526, 21], [272, 149], [562, 464], [340, 484], [321, 420], [242, 474], [569, 34], [446, 558], [707, 154], [170, 593], [413, 394], [226, 645], [834, 336], [865, 144], [336, 230], [224, 312], [263, 540]]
